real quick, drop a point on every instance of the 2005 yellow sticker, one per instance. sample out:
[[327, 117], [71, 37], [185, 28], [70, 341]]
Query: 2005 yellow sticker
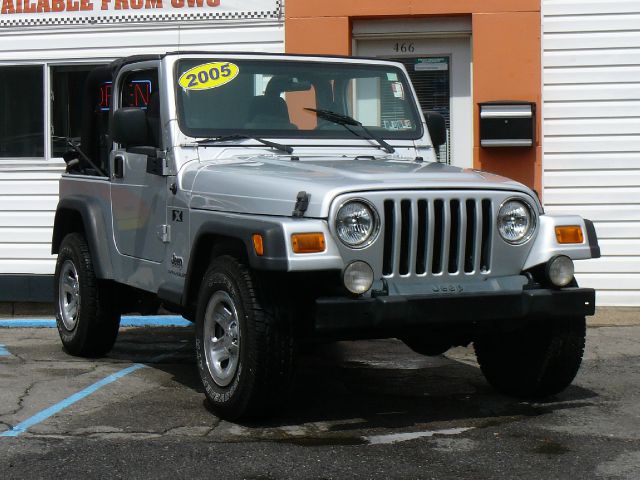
[[208, 75]]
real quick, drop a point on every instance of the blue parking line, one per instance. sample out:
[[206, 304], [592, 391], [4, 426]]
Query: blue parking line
[[27, 323], [3, 351], [52, 410], [126, 321], [154, 321]]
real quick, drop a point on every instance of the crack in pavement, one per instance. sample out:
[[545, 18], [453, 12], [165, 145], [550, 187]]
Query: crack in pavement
[[132, 433], [110, 431], [187, 427], [7, 425], [15, 355], [112, 361], [53, 409], [20, 405], [21, 400]]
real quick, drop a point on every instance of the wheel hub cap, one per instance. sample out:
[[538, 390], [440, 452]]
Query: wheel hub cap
[[222, 338], [69, 295]]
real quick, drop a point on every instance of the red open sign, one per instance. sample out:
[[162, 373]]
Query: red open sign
[[136, 94]]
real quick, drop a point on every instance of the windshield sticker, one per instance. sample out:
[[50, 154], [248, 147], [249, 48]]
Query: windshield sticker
[[404, 124], [208, 75], [398, 90], [392, 77]]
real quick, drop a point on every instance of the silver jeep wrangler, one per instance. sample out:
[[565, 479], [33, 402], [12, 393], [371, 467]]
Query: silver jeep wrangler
[[278, 199]]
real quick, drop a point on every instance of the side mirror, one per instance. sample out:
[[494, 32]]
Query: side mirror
[[437, 128], [130, 127]]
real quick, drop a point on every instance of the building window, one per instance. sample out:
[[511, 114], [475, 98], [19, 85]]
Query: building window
[[21, 112], [67, 100]]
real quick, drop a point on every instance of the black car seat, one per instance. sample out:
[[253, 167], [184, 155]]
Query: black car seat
[[269, 112]]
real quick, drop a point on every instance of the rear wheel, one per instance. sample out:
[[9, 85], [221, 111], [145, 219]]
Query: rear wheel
[[86, 316], [537, 361], [244, 344]]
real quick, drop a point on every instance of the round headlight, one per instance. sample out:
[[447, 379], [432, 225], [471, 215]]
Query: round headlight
[[516, 221], [357, 224]]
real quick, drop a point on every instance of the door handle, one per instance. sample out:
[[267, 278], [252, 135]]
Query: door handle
[[118, 166]]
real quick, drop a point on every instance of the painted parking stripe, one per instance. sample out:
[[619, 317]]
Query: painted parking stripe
[[3, 351], [27, 323], [76, 397], [52, 410], [126, 321], [154, 321]]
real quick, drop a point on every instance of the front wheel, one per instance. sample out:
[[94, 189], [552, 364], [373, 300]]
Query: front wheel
[[537, 361], [244, 345], [86, 315]]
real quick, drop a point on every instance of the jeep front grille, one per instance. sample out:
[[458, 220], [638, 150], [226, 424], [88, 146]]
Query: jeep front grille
[[439, 236]]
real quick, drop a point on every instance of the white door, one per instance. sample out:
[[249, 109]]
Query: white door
[[440, 69]]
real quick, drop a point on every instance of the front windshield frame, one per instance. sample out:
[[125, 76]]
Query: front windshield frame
[[338, 132]]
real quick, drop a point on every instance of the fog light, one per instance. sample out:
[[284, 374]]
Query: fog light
[[560, 271], [358, 277]]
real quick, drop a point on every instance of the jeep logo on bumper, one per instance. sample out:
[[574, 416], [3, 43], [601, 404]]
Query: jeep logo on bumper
[[447, 288]]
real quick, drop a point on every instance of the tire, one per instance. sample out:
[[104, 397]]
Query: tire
[[86, 315], [535, 362], [244, 347]]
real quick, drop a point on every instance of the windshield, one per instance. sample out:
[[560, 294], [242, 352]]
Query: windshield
[[281, 98]]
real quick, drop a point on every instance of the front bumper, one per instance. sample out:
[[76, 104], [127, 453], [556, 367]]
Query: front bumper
[[399, 314]]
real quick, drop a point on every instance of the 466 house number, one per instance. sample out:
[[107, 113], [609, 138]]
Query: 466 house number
[[404, 47]]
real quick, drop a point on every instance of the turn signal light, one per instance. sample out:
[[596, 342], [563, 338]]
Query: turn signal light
[[308, 242], [569, 234], [258, 244]]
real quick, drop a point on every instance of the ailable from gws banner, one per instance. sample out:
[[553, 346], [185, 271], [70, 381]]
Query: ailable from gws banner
[[51, 12]]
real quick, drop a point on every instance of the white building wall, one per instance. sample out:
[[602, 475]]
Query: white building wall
[[29, 188], [591, 127]]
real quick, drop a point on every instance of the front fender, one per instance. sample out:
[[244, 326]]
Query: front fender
[[546, 245], [276, 232]]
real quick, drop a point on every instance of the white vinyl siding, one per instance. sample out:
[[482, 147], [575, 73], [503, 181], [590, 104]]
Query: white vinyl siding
[[28, 199], [591, 127], [113, 41], [28, 187]]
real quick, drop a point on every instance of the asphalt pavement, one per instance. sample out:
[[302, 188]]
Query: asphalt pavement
[[370, 409]]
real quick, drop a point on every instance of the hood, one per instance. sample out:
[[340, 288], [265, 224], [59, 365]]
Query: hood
[[269, 185]]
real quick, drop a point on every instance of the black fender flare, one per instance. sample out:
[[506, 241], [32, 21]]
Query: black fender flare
[[240, 229], [94, 228]]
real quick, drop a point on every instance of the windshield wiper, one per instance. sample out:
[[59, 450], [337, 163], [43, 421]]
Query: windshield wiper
[[238, 136], [347, 121]]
